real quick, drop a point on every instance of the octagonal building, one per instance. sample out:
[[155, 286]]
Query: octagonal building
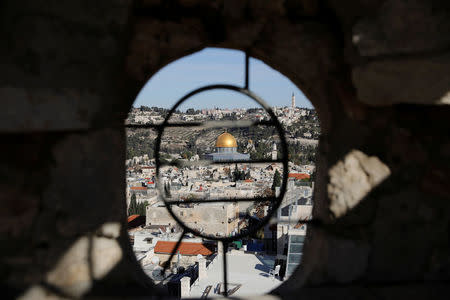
[[226, 149]]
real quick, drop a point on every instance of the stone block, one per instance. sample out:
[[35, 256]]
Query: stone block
[[185, 283], [41, 109], [329, 257], [404, 26], [352, 178], [202, 273], [405, 80], [90, 258], [110, 230]]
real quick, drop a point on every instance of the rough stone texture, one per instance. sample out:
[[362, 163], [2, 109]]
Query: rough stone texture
[[41, 109], [38, 293], [352, 179], [71, 70], [424, 80], [202, 273], [425, 27], [48, 56], [185, 288]]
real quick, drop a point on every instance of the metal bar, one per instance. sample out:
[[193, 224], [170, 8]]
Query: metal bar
[[194, 201], [177, 245], [206, 292], [275, 204], [153, 126], [207, 124], [247, 58], [225, 271], [184, 124], [234, 289], [219, 124], [204, 162], [231, 124]]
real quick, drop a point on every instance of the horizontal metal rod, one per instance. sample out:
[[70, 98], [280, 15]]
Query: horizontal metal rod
[[226, 124], [151, 126], [204, 162], [194, 201], [207, 124]]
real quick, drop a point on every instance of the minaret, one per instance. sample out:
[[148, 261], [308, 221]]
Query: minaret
[[293, 101], [274, 151]]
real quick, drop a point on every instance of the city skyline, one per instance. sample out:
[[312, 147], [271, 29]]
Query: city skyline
[[213, 66]]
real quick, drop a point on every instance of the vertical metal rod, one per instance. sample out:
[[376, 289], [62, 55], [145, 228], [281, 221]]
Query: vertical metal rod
[[247, 58], [225, 272], [174, 251]]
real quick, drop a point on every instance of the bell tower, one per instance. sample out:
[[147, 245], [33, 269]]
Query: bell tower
[[293, 101], [274, 151]]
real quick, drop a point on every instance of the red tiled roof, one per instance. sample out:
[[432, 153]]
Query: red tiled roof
[[132, 217], [138, 188], [298, 176], [248, 180], [185, 248]]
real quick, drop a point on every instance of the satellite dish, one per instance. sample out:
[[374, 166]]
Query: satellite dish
[[199, 256], [155, 260]]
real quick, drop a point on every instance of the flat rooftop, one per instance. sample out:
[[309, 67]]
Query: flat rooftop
[[249, 270]]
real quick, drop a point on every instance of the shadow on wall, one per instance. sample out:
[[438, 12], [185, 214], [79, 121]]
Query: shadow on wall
[[390, 217], [79, 271]]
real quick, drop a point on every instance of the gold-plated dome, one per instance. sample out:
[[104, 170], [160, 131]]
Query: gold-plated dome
[[226, 140]]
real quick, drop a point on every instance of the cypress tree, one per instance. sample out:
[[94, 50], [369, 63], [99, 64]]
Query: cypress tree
[[276, 180], [132, 209]]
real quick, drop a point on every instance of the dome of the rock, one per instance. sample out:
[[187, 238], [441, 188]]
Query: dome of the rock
[[226, 149], [226, 140]]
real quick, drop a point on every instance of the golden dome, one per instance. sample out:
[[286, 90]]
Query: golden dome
[[226, 140]]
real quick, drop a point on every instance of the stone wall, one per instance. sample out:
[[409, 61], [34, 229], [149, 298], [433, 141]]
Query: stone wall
[[376, 71], [212, 219]]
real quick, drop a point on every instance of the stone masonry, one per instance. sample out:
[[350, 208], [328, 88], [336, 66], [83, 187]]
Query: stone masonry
[[376, 71]]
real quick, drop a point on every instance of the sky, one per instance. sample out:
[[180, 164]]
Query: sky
[[214, 66]]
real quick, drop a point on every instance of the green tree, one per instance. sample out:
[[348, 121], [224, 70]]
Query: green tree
[[137, 208], [238, 174], [142, 208], [139, 143], [235, 173], [133, 205], [276, 180]]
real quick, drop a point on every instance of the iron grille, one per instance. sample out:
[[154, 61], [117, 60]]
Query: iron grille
[[274, 201]]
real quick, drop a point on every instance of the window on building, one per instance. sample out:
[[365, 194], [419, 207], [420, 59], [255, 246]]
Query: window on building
[[294, 255]]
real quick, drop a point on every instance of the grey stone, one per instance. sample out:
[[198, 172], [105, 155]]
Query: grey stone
[[77, 65], [406, 80], [46, 109], [352, 179], [426, 27]]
